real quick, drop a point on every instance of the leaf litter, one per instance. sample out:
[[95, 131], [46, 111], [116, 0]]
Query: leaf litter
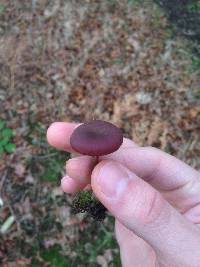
[[75, 61]]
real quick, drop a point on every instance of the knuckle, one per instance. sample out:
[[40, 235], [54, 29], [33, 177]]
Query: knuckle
[[149, 206], [153, 207]]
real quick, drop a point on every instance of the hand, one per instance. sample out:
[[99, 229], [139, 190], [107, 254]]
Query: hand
[[154, 197]]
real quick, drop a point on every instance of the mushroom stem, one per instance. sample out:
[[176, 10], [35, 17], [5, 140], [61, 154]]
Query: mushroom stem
[[96, 138], [96, 159]]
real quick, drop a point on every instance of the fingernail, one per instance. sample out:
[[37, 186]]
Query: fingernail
[[112, 179], [64, 181], [68, 185], [72, 160]]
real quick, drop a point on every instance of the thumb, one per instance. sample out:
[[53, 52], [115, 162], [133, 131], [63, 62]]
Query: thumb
[[143, 210]]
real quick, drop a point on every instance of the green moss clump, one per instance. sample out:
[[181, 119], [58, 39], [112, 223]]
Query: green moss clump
[[86, 202]]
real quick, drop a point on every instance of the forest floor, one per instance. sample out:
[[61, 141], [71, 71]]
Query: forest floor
[[120, 61]]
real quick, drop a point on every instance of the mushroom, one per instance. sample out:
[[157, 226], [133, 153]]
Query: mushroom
[[96, 138]]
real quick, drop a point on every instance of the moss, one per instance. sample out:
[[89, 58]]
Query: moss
[[86, 202]]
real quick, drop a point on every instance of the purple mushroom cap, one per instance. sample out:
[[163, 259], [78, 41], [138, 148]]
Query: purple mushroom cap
[[96, 138]]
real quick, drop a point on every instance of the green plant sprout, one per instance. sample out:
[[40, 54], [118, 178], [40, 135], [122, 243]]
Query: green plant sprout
[[2, 9], [6, 135], [193, 7]]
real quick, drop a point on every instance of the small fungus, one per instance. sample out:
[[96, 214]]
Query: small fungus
[[96, 138]]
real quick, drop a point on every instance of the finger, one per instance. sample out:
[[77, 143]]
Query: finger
[[163, 171], [80, 168], [133, 249], [71, 186], [143, 210], [58, 135], [176, 180]]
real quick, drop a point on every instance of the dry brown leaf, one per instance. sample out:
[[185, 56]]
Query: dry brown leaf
[[157, 132], [194, 112]]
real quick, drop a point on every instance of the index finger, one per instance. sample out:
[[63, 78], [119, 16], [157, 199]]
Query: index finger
[[58, 135]]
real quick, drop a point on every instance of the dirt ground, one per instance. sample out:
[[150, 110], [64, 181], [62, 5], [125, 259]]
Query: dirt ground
[[120, 61]]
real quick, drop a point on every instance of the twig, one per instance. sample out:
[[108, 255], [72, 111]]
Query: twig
[[13, 214], [3, 178]]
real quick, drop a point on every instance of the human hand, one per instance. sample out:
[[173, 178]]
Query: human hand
[[154, 197]]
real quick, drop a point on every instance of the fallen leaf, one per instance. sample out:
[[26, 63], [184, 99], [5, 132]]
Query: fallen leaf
[[20, 169], [7, 224], [29, 179], [101, 260]]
